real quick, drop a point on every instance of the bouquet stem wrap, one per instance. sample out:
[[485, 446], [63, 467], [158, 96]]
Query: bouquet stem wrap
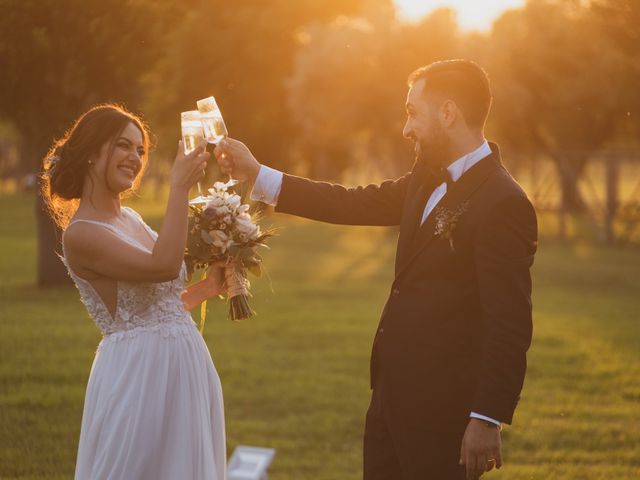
[[238, 289]]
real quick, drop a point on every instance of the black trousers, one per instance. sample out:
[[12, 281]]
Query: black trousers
[[393, 451]]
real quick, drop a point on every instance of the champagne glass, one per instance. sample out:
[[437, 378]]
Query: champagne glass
[[192, 136], [214, 127]]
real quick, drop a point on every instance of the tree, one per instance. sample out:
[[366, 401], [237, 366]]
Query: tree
[[619, 20], [59, 58], [349, 87], [558, 80], [242, 53]]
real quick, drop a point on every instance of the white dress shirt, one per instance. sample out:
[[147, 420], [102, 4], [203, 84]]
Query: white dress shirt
[[456, 170], [269, 182]]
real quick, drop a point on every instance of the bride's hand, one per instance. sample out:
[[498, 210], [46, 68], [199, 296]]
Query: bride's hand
[[211, 286], [189, 169], [216, 278]]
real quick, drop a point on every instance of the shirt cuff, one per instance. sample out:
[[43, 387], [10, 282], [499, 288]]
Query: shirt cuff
[[483, 417], [267, 186]]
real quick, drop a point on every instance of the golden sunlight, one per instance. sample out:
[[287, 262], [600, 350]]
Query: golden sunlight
[[472, 14]]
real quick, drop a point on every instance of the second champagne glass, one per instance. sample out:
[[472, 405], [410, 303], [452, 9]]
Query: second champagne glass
[[214, 126]]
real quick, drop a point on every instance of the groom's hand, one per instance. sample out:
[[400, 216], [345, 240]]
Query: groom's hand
[[481, 448], [236, 160]]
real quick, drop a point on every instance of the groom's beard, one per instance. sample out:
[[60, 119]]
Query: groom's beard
[[434, 152]]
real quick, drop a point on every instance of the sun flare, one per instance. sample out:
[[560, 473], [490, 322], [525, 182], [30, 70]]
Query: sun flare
[[472, 14]]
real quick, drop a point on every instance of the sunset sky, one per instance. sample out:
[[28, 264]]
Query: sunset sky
[[472, 14]]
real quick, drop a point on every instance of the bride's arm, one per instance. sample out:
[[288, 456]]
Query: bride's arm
[[98, 251]]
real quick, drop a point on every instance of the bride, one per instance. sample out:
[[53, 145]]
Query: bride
[[153, 407]]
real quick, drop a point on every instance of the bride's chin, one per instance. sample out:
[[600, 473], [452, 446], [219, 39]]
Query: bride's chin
[[125, 183], [121, 187]]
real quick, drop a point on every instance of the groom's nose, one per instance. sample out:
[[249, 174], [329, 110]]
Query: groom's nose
[[407, 132]]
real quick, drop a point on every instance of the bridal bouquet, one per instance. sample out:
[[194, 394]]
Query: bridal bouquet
[[222, 229]]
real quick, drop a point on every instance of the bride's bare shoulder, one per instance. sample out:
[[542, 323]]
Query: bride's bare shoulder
[[86, 235]]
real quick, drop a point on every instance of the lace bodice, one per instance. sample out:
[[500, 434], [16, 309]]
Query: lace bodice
[[140, 305]]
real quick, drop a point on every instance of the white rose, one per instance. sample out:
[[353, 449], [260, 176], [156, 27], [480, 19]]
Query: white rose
[[246, 227], [234, 202], [216, 201], [223, 211], [220, 239]]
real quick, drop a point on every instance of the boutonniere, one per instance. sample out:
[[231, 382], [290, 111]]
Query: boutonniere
[[447, 221]]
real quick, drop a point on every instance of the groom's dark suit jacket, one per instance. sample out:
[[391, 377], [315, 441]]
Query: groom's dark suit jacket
[[456, 327]]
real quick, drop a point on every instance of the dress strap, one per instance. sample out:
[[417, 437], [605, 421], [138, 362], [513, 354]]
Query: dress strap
[[96, 222], [133, 212], [152, 233]]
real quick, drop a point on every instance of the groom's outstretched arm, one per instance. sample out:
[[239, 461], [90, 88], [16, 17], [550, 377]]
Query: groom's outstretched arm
[[364, 205], [379, 205]]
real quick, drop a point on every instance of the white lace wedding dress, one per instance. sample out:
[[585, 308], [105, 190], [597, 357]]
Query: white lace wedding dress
[[153, 407]]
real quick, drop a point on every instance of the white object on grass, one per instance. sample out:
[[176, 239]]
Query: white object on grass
[[250, 463]]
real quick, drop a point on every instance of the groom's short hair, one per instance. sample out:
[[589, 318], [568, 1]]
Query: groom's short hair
[[463, 81]]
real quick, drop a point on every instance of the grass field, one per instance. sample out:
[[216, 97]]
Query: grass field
[[296, 377]]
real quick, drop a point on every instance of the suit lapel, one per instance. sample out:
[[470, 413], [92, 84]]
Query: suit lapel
[[457, 194], [409, 224]]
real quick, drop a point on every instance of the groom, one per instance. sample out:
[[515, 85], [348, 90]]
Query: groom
[[449, 354]]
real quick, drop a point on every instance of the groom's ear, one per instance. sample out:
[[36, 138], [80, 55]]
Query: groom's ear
[[448, 113]]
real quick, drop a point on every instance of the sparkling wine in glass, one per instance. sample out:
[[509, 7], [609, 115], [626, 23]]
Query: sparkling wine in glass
[[213, 124], [192, 136]]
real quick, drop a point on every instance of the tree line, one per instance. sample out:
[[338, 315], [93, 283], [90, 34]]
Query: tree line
[[317, 86]]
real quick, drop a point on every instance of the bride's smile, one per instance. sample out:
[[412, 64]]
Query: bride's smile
[[119, 165]]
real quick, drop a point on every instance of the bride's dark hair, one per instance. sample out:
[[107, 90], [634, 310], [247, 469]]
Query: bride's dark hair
[[67, 162]]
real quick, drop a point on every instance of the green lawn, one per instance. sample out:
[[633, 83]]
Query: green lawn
[[296, 377]]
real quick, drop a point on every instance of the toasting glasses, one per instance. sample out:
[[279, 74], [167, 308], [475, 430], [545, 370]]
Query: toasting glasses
[[205, 123]]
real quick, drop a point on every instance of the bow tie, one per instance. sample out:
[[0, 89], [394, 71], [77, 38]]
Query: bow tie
[[439, 176]]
